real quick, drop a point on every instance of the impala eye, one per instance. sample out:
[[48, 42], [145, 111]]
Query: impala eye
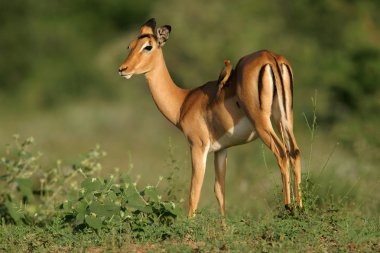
[[148, 48]]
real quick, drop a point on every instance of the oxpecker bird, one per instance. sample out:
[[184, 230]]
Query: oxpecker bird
[[224, 75]]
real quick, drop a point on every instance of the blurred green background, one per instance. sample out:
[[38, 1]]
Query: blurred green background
[[59, 83]]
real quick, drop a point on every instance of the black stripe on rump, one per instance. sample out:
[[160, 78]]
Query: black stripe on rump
[[291, 83], [274, 82], [260, 82], [282, 86]]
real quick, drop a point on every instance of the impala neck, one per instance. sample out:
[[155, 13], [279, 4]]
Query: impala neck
[[166, 94]]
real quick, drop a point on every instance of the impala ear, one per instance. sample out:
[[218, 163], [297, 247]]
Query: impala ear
[[148, 27], [162, 34]]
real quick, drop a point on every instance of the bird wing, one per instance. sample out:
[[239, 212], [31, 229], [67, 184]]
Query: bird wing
[[223, 76]]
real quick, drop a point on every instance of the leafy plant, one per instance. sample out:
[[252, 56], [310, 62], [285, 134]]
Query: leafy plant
[[16, 169], [75, 195], [105, 203]]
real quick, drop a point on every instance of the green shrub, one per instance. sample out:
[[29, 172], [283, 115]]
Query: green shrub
[[74, 195]]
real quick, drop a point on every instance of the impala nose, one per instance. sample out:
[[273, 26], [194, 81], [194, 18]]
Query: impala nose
[[122, 69]]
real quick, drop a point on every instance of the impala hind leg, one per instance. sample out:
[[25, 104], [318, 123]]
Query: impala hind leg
[[285, 129], [293, 153], [268, 136], [220, 163], [198, 159], [295, 159]]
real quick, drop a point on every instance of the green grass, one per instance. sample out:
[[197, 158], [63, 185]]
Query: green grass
[[75, 210], [320, 231]]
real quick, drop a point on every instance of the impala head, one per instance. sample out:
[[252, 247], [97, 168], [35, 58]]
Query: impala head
[[144, 49]]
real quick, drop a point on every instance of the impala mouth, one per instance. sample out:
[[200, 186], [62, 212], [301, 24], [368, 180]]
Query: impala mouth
[[123, 72], [127, 76]]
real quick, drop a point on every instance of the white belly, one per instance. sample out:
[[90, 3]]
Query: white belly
[[241, 133]]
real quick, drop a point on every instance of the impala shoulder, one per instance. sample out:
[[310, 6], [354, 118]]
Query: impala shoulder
[[195, 129], [191, 105]]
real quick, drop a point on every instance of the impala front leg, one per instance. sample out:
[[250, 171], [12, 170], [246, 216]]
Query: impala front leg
[[198, 159], [220, 163]]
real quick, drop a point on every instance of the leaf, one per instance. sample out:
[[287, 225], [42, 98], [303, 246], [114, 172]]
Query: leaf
[[108, 209], [140, 206], [112, 196], [152, 193], [81, 208], [14, 211], [115, 189], [79, 218], [93, 222], [135, 200], [25, 185], [91, 184], [170, 207], [72, 195], [66, 206]]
